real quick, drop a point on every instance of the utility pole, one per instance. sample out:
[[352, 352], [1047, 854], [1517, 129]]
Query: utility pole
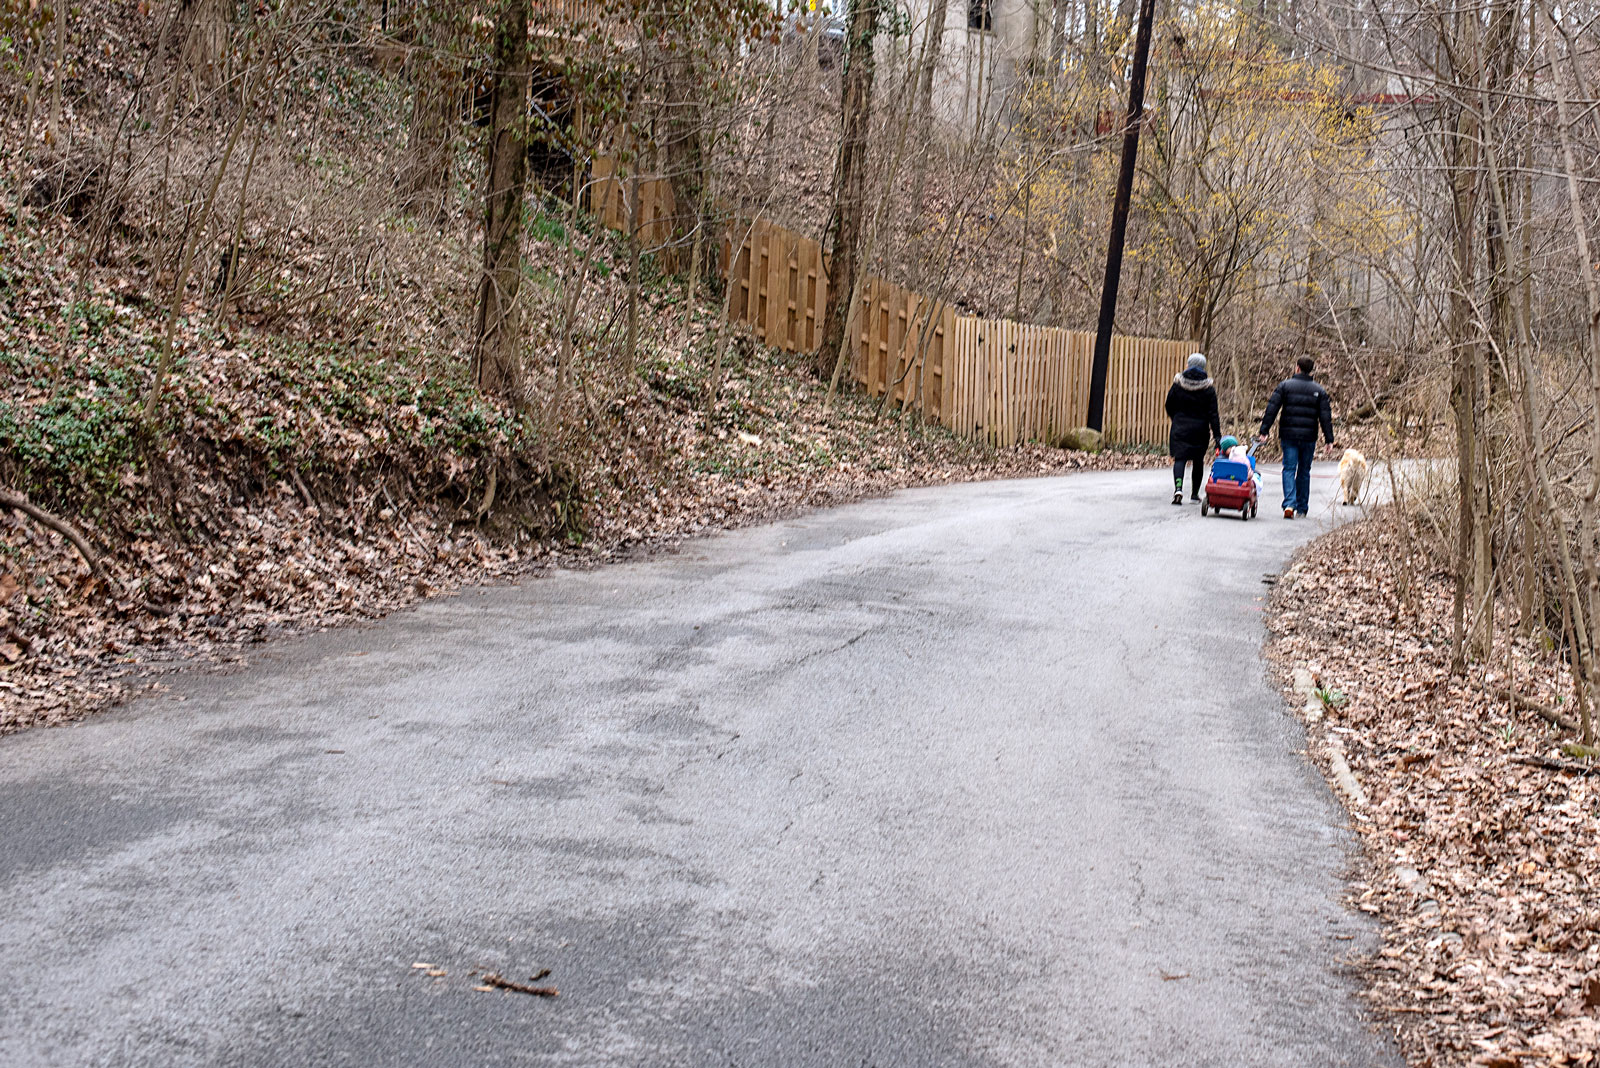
[[1119, 219]]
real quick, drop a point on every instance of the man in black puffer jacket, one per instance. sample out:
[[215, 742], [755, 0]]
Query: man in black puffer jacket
[[1302, 407], [1192, 407]]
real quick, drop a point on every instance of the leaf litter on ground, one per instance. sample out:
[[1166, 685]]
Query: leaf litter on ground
[[1480, 843]]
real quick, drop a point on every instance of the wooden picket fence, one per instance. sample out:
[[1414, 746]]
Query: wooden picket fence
[[1003, 381], [780, 290], [1140, 373], [1015, 382]]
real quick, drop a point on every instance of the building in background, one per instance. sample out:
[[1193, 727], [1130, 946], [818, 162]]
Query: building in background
[[987, 51]]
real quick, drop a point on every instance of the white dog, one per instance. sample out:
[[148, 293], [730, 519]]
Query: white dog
[[1352, 473]]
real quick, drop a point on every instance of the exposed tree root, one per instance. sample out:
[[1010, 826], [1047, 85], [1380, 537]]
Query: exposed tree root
[[59, 525]]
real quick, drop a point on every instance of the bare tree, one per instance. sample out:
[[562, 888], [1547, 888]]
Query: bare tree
[[498, 355], [850, 177]]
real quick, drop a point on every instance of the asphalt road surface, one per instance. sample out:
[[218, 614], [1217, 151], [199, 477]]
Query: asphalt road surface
[[980, 775]]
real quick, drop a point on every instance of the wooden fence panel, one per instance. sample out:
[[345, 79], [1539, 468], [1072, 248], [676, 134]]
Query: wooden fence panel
[[901, 344], [608, 199], [1141, 371], [994, 368], [779, 288], [1014, 382]]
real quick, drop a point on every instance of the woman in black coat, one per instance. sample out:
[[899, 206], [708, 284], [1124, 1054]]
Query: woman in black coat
[[1192, 407]]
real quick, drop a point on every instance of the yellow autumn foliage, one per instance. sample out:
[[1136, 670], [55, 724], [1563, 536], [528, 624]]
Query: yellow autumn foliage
[[1255, 167]]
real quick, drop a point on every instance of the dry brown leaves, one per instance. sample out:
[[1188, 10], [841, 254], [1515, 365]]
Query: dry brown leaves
[[1481, 868]]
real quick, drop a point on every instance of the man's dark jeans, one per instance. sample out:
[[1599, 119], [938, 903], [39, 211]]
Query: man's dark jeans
[[1297, 457]]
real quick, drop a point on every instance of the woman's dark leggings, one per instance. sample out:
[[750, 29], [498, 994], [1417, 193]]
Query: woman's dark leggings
[[1199, 474]]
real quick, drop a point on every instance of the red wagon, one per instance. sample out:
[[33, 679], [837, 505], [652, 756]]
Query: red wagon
[[1230, 486]]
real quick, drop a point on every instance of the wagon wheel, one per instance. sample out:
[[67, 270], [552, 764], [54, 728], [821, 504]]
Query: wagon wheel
[[1205, 505]]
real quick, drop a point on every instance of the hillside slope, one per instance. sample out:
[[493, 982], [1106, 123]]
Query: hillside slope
[[316, 450]]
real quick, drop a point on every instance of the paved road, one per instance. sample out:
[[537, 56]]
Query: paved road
[[982, 775]]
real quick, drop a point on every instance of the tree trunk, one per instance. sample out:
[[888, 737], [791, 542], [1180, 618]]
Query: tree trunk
[[698, 260], [1463, 160], [850, 192], [1497, 62], [230, 257], [1059, 12], [932, 44], [635, 241], [1590, 510], [1022, 246], [1091, 48], [683, 147], [435, 112], [52, 133], [499, 333]]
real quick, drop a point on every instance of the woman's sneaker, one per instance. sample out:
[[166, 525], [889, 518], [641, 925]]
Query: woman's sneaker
[[1288, 513], [1177, 497]]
